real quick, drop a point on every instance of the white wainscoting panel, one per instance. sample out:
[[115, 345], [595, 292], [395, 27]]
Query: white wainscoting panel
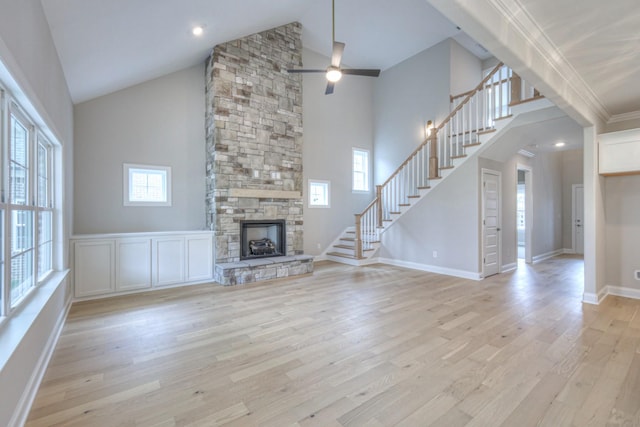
[[169, 260], [133, 264], [109, 264], [94, 263], [199, 258]]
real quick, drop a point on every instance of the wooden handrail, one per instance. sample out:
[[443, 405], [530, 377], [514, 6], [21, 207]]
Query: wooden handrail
[[468, 98], [463, 94], [479, 87], [433, 161]]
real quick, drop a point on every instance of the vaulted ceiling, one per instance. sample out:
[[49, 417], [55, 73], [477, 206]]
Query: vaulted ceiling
[[108, 45]]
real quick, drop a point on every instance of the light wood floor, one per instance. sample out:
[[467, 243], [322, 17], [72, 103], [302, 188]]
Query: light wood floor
[[372, 346]]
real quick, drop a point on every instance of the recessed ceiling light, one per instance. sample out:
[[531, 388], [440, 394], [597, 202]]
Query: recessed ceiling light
[[560, 144], [198, 30]]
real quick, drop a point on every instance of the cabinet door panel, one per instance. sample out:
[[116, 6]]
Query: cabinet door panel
[[133, 264], [199, 258], [94, 268], [169, 261]]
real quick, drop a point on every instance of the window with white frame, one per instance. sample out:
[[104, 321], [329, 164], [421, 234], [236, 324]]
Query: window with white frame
[[147, 185], [319, 193], [26, 205], [360, 170]]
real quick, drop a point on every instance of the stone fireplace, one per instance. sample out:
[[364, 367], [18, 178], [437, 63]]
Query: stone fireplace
[[254, 150]]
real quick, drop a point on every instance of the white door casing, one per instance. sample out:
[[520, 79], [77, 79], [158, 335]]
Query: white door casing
[[528, 211], [491, 222], [577, 218]]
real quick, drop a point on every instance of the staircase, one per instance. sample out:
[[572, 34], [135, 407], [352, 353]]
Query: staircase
[[476, 117]]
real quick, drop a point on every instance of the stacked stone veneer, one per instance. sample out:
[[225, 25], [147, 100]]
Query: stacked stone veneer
[[254, 137]]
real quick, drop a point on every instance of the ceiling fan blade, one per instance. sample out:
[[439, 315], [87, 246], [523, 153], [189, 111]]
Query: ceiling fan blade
[[301, 70], [361, 72], [330, 86], [336, 56]]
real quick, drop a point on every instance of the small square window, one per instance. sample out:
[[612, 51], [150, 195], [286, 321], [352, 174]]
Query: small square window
[[360, 170], [147, 185], [319, 193]]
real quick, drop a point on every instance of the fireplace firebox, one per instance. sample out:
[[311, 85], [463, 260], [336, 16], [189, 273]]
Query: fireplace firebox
[[262, 238]]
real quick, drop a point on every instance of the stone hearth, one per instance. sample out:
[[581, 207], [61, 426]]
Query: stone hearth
[[254, 147]]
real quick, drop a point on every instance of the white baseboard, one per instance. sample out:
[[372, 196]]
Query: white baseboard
[[432, 268], [621, 291], [506, 268], [591, 298], [28, 396], [569, 251], [321, 257], [618, 291], [542, 257]]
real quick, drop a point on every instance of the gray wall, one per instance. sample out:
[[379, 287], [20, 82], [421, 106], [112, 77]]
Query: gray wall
[[572, 173], [446, 220], [622, 208], [160, 122], [27, 50], [553, 174], [28, 53], [466, 69], [547, 203], [333, 125], [407, 96]]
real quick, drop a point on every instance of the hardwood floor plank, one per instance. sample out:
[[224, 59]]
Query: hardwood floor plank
[[350, 346]]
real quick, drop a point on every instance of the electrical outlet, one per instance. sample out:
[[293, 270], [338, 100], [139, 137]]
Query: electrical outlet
[[435, 254]]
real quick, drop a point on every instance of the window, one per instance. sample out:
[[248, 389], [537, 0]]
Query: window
[[360, 170], [26, 205], [147, 185], [319, 193]]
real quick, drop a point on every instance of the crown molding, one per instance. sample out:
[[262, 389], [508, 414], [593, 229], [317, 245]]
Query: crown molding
[[530, 30], [617, 118]]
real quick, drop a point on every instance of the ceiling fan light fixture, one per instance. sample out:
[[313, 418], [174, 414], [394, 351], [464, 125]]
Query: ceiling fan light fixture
[[197, 30], [333, 74]]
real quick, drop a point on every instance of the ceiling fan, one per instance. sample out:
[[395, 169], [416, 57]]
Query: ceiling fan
[[334, 72]]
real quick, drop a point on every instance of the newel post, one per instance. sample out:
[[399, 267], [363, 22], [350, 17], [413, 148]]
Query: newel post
[[379, 207], [358, 238], [433, 154], [516, 89]]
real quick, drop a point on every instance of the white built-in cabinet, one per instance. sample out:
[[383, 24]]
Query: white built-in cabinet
[[619, 152], [123, 263]]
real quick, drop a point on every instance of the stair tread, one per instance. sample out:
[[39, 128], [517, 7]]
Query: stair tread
[[337, 254], [344, 247], [417, 196], [458, 157], [425, 188], [484, 132], [446, 167], [348, 239], [475, 144], [503, 117]]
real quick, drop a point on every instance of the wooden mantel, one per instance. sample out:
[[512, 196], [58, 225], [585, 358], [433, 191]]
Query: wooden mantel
[[264, 194]]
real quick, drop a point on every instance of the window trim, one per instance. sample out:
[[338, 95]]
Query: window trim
[[37, 134], [367, 172], [126, 194], [327, 185]]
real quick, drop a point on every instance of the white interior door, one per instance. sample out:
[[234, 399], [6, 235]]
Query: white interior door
[[491, 242], [578, 219]]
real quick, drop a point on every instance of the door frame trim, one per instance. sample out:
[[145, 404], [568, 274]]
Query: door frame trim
[[528, 212], [482, 224], [573, 216]]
